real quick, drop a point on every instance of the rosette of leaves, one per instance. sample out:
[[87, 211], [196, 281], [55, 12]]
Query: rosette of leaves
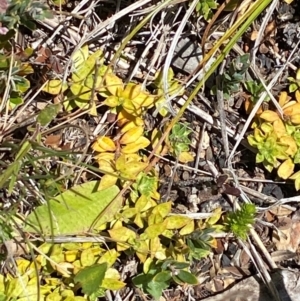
[[130, 97], [179, 142], [240, 221], [277, 139], [233, 76]]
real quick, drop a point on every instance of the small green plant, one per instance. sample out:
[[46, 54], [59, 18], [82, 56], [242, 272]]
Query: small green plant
[[294, 82], [204, 8], [240, 221], [159, 275], [179, 142], [255, 90], [24, 13], [17, 80], [234, 76]]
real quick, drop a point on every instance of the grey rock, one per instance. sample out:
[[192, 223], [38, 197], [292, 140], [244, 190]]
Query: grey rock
[[253, 289]]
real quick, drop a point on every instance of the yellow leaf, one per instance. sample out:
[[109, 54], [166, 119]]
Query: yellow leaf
[[105, 143], [176, 222], [217, 213], [295, 118], [131, 91], [124, 117], [292, 110], [147, 265], [185, 157], [55, 86], [71, 255], [156, 249], [162, 209], [297, 95], [144, 100], [140, 143], [129, 107], [112, 284], [279, 128], [188, 228], [269, 116], [155, 137], [130, 171], [128, 126], [25, 69], [81, 91], [141, 203], [291, 143], [107, 181], [295, 175], [80, 56], [286, 169], [139, 221], [114, 84], [87, 258], [283, 98], [106, 166], [112, 101], [132, 135], [122, 234], [155, 230], [297, 184], [110, 157], [142, 250], [110, 257]]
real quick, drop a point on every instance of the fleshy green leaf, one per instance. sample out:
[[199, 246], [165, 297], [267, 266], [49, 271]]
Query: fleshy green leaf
[[74, 210], [91, 278]]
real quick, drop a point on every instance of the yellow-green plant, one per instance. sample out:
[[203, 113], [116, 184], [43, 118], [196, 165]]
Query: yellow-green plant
[[278, 139], [85, 83]]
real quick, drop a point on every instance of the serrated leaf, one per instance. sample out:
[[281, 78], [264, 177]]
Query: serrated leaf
[[91, 278], [74, 210]]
